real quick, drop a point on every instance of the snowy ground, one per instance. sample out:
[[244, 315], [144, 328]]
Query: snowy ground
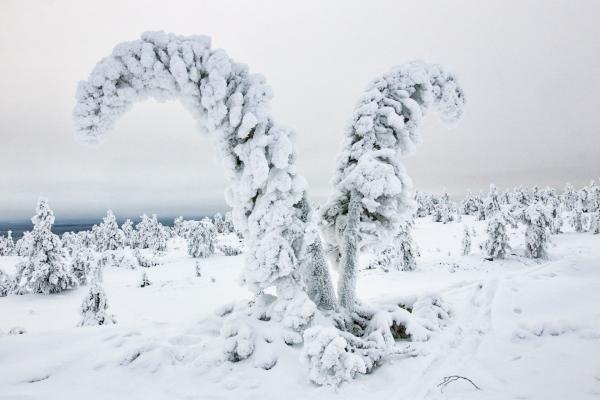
[[520, 330]]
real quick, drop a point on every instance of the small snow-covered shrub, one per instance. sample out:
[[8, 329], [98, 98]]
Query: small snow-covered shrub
[[203, 240], [496, 245], [145, 280], [6, 284], [334, 356], [537, 234], [84, 262], [229, 250], [94, 309], [466, 241], [145, 261], [239, 341]]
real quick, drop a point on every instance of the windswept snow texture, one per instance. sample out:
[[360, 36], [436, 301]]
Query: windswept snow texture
[[519, 328]]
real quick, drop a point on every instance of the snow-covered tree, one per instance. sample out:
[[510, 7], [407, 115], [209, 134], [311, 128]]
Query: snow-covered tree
[[24, 246], [265, 189], [569, 197], [152, 234], [595, 222], [203, 239], [537, 235], [84, 264], [145, 280], [129, 233], [197, 269], [47, 268], [145, 260], [7, 245], [469, 205], [442, 210], [497, 243], [372, 191], [492, 202], [94, 309], [466, 241], [554, 211], [6, 284], [108, 234], [577, 217]]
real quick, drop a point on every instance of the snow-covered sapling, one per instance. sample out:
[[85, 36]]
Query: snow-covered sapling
[[203, 239], [198, 270], [466, 241], [94, 309], [145, 280], [47, 268], [537, 235], [577, 218], [497, 243]]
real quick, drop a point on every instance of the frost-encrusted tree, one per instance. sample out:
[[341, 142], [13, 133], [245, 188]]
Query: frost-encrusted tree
[[497, 242], [47, 268], [492, 202], [554, 210], [537, 234], [24, 246], [372, 191], [145, 281], [265, 192], [94, 309], [129, 233], [7, 245], [84, 264], [442, 210], [577, 217], [595, 222], [466, 241], [203, 240], [108, 234], [151, 234]]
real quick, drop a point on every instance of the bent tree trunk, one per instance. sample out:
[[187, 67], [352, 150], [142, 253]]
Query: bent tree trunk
[[349, 260]]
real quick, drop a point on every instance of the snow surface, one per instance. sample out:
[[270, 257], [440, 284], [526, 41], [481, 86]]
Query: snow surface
[[519, 329]]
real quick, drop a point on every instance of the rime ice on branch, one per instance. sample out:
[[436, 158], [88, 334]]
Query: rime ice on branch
[[371, 185]]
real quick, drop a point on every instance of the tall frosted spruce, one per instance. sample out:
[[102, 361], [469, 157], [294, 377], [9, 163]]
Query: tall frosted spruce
[[47, 268], [372, 192]]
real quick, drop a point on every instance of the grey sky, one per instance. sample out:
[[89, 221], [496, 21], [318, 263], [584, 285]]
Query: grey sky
[[530, 69]]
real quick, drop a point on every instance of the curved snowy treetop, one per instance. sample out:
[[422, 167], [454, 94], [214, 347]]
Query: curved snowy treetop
[[386, 124], [265, 191]]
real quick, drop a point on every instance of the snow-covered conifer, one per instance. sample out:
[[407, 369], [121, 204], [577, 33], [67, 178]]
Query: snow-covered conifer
[[84, 264], [47, 268], [497, 244], [577, 217], [108, 234], [152, 234], [595, 222], [145, 261], [492, 202], [197, 269], [7, 245], [537, 235], [129, 233], [145, 280], [569, 197], [94, 309], [554, 210], [6, 284], [24, 246], [466, 241], [203, 239], [372, 191]]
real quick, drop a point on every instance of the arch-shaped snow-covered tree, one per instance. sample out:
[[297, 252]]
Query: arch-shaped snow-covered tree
[[266, 192], [372, 190]]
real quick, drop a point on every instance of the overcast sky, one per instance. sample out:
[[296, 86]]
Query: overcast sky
[[530, 70]]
